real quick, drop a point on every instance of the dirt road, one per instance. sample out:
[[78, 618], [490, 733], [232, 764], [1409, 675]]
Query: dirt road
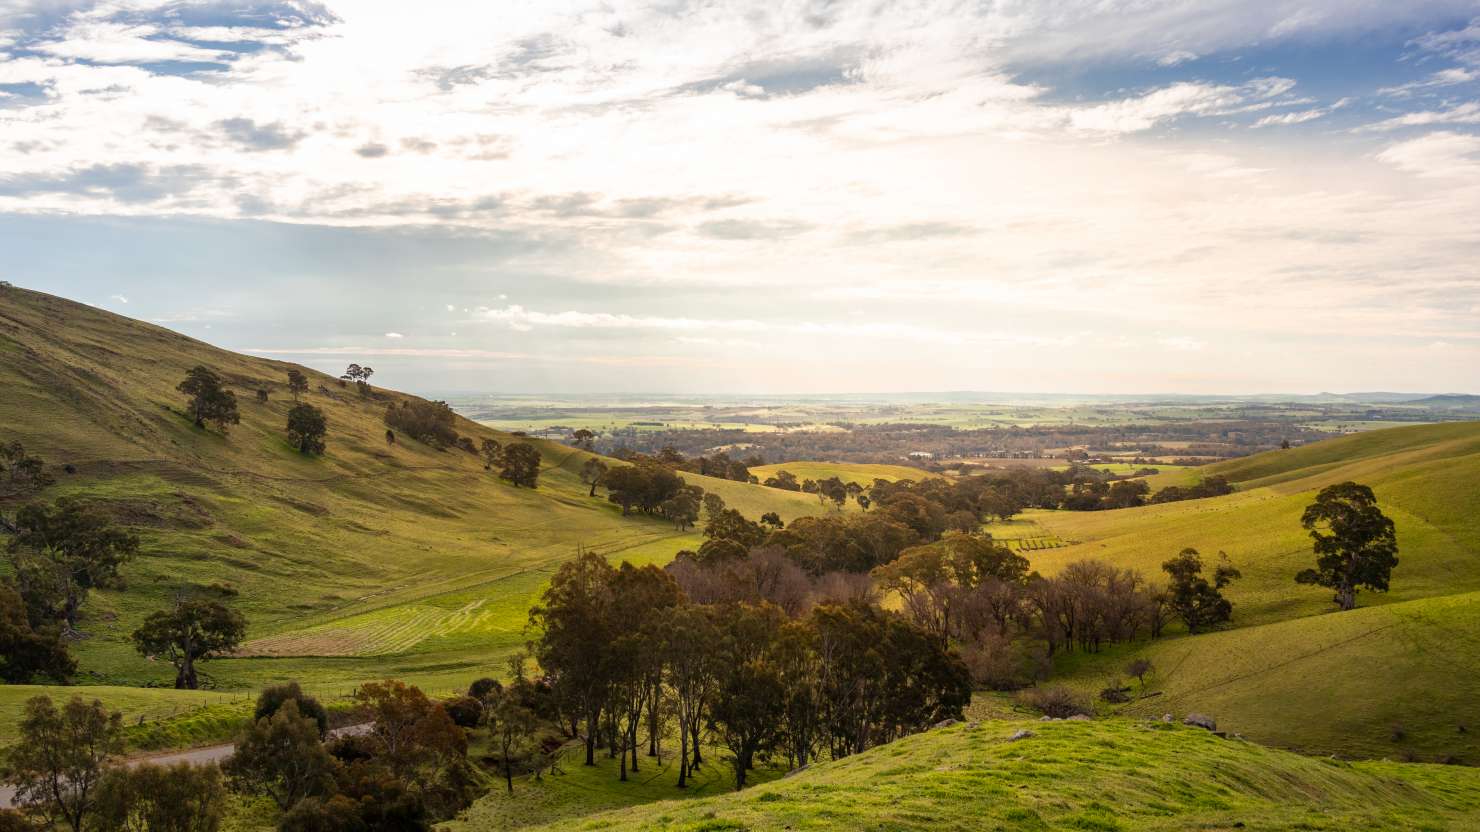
[[194, 756]]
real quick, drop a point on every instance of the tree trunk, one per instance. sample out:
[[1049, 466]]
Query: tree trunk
[[508, 772], [683, 755], [590, 739], [698, 756]]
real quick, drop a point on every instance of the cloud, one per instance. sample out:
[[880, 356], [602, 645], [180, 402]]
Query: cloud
[[1466, 113], [119, 298], [1144, 112], [129, 184], [371, 150], [738, 229], [524, 320], [394, 335], [1443, 78], [253, 136], [1177, 58], [1440, 155]]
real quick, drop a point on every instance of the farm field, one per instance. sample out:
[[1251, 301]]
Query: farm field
[[1115, 774], [375, 560], [860, 472]]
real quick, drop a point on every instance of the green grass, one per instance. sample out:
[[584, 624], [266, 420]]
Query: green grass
[[375, 560], [580, 790], [1405, 657], [139, 706], [1102, 775]]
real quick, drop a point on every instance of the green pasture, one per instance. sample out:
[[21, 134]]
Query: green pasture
[[1102, 775]]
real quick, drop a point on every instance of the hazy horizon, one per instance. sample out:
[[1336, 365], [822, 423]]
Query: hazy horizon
[[734, 199]]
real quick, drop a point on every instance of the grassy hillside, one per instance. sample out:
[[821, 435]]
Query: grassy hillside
[[1406, 659], [373, 560], [1103, 775]]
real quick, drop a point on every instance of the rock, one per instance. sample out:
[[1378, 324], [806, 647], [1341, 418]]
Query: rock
[[1201, 721], [797, 770], [1079, 718], [1166, 717], [1021, 734], [1045, 719], [944, 723]]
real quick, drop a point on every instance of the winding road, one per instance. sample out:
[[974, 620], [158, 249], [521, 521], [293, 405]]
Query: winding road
[[194, 756]]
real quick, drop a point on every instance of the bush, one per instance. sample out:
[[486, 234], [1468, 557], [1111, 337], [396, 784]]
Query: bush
[[13, 821], [466, 711], [481, 688], [1056, 701], [998, 663], [274, 698], [429, 422], [177, 798], [332, 814]]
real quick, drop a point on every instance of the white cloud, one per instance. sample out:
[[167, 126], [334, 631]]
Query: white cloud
[[1185, 98], [1180, 56], [394, 335], [1466, 113], [524, 320], [760, 163], [1440, 155], [1443, 78], [120, 298]]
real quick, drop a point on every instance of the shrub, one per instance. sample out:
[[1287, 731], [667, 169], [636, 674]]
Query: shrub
[[429, 422], [999, 663], [13, 821], [466, 711], [481, 688], [274, 697], [177, 798], [1056, 701], [314, 814]]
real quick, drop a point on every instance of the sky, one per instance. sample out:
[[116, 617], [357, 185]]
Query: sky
[[701, 196]]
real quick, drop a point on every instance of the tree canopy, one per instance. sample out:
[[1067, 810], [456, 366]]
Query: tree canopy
[[1356, 545]]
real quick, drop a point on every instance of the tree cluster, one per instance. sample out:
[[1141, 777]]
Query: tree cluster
[[209, 400], [66, 771], [837, 680], [406, 772], [428, 422]]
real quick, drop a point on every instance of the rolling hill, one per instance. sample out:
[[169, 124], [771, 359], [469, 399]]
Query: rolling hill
[[375, 560], [1102, 775], [1395, 677]]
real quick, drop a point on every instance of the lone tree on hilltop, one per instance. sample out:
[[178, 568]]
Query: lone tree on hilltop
[[1356, 546], [583, 438], [360, 376], [521, 464], [209, 402], [193, 631], [1193, 599], [306, 428], [297, 383]]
